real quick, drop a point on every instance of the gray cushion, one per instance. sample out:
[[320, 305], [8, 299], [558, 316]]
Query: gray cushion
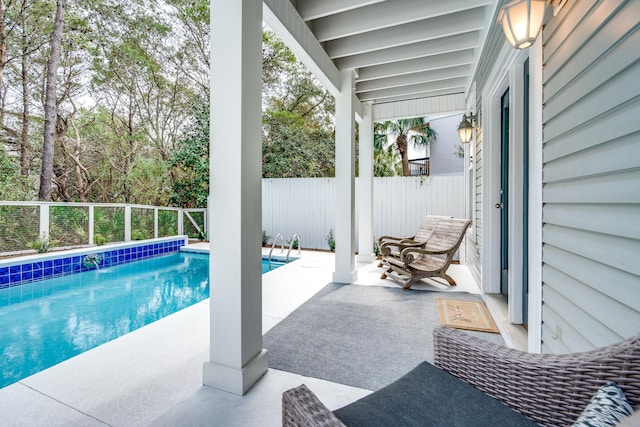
[[429, 396]]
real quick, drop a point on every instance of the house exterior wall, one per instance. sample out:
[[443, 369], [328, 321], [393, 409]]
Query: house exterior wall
[[590, 277], [591, 176]]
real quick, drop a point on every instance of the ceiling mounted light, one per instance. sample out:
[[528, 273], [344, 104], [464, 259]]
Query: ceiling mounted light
[[465, 128], [521, 21]]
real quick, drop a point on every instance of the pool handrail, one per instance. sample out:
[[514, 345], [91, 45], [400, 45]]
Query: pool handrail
[[293, 239], [273, 245]]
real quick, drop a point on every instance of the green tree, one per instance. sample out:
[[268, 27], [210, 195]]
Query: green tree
[[385, 161], [291, 149], [14, 186], [297, 124], [404, 132], [190, 161], [50, 103]]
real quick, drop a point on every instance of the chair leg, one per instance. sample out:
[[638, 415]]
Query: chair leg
[[410, 282], [450, 280], [386, 273]]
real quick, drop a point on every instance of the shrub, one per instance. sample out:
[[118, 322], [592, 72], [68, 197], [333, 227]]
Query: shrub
[[331, 241]]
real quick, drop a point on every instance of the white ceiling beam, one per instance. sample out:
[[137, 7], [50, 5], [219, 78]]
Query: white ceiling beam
[[285, 21], [445, 94], [418, 95], [314, 9], [414, 78], [415, 50], [416, 65], [430, 29], [452, 85], [388, 14]]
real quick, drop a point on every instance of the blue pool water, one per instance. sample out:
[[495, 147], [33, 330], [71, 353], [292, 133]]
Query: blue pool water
[[44, 323]]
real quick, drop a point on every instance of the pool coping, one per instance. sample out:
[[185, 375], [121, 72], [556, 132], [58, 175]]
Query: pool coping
[[27, 269]]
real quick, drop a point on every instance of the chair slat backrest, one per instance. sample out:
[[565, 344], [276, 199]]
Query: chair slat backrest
[[427, 227], [448, 234]]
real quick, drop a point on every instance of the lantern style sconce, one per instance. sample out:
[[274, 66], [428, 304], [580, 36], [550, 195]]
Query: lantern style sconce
[[465, 128], [521, 20]]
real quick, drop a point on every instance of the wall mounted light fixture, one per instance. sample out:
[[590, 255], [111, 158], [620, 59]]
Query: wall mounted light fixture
[[465, 128], [521, 20]]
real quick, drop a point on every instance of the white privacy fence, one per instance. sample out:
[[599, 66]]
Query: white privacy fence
[[303, 206], [306, 206]]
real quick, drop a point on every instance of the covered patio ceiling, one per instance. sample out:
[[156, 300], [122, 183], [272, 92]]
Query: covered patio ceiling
[[399, 49]]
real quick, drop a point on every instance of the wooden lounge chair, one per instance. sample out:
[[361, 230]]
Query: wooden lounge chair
[[392, 246], [432, 259]]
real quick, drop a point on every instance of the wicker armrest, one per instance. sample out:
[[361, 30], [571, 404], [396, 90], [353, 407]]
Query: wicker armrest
[[550, 389], [300, 407]]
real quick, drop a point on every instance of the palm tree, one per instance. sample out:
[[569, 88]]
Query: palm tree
[[405, 131], [385, 162]]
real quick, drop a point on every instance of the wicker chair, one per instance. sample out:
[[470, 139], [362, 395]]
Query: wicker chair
[[431, 259], [552, 390]]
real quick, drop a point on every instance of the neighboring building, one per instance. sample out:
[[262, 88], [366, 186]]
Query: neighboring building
[[442, 156], [444, 160]]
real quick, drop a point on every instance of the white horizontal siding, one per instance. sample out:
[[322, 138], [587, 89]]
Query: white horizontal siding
[[418, 107], [591, 176], [306, 206]]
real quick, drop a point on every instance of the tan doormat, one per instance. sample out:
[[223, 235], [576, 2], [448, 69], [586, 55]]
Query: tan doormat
[[471, 315]]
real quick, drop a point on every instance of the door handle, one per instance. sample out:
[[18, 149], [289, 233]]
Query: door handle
[[499, 205]]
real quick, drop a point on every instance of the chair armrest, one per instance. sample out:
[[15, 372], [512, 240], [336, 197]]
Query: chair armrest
[[408, 255], [552, 389], [386, 247], [390, 239], [300, 407]]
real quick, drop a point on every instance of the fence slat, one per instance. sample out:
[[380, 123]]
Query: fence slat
[[306, 206]]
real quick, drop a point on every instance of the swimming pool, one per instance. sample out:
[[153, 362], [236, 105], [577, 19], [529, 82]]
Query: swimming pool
[[46, 322]]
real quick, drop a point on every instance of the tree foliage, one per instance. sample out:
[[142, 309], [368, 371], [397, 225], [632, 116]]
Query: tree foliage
[[190, 162], [297, 121], [129, 114], [404, 132]]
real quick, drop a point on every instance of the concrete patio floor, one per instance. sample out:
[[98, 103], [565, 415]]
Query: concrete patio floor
[[153, 376]]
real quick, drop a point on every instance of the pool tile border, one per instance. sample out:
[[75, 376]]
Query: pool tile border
[[36, 268]]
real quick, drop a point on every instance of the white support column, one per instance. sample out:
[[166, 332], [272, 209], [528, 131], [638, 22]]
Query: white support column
[[237, 360], [180, 222], [92, 225], [365, 186], [345, 182], [155, 223], [127, 223], [44, 221]]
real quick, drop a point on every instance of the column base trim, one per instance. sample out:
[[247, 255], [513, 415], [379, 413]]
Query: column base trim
[[232, 380], [365, 259], [346, 278]]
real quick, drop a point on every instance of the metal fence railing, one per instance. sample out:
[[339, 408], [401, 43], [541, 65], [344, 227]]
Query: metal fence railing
[[39, 226], [419, 167]]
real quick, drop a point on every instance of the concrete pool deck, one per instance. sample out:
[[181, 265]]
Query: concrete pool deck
[[153, 376]]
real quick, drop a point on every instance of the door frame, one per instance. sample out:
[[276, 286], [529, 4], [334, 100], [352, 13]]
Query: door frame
[[506, 74], [505, 200]]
